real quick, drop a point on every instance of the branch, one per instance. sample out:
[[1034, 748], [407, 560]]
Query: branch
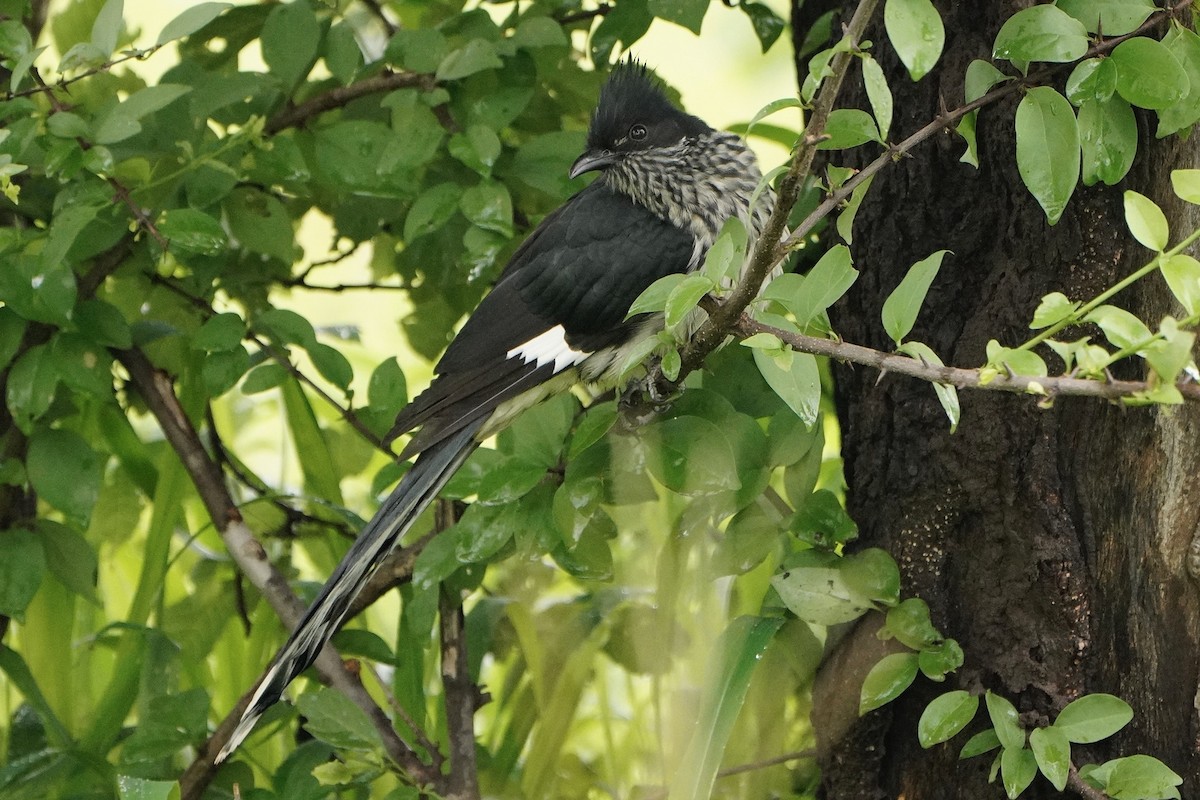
[[336, 98], [460, 696], [157, 390], [769, 249], [958, 377], [1082, 787]]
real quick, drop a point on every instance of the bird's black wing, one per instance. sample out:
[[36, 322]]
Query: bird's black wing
[[563, 297]]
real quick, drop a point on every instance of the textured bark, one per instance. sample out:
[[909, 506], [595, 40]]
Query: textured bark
[[1052, 544]]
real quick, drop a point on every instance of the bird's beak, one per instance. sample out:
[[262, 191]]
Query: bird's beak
[[592, 160]]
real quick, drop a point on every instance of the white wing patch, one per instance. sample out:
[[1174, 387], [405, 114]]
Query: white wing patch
[[549, 348]]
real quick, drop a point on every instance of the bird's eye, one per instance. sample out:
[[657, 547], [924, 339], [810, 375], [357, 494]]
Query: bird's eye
[[637, 132]]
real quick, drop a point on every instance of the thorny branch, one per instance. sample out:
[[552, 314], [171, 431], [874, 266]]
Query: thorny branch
[[958, 377]]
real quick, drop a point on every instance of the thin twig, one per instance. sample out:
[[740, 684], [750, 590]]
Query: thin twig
[[42, 87]]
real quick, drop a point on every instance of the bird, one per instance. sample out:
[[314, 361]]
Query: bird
[[556, 316]]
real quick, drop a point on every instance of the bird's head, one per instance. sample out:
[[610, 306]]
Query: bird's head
[[633, 116]]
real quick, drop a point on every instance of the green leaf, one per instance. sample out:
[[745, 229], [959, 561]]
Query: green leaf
[[478, 55], [806, 297], [191, 231], [264, 377], [942, 659], [947, 394], [191, 20], [1018, 768], [20, 69], [878, 93], [1108, 137], [387, 390], [690, 456], [1020, 362], [1182, 274], [31, 386], [688, 13], [945, 716], [1120, 327], [478, 148], [107, 28], [1146, 221], [814, 590], [222, 370], [286, 326], [1139, 777], [1048, 147], [901, 307], [1184, 44], [1053, 754], [133, 788], [592, 427], [1054, 308], [795, 378], [489, 205], [654, 297], [290, 39], [333, 719], [321, 477], [431, 210], [767, 24], [536, 32], [981, 77], [887, 680], [738, 653], [1148, 75], [848, 127], [12, 332], [1006, 721], [260, 223], [1093, 717], [1092, 79], [909, 623], [1172, 353], [70, 558], [22, 563], [686, 296], [980, 743], [417, 49], [122, 120], [1041, 33], [871, 574], [821, 518], [915, 30], [1110, 17], [65, 472], [342, 55], [1186, 183], [845, 220], [222, 332], [333, 366]]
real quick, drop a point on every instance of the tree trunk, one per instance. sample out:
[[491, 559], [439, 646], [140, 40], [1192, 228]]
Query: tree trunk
[[1052, 543]]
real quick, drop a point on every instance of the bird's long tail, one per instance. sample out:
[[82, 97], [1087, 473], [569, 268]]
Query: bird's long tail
[[416, 490]]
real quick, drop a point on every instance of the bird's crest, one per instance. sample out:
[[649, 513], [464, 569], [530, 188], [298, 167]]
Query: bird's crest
[[631, 93]]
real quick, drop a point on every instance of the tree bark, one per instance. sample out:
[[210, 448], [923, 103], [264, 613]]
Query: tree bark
[[1053, 544]]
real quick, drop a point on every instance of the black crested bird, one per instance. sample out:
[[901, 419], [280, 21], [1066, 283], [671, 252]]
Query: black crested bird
[[556, 316]]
